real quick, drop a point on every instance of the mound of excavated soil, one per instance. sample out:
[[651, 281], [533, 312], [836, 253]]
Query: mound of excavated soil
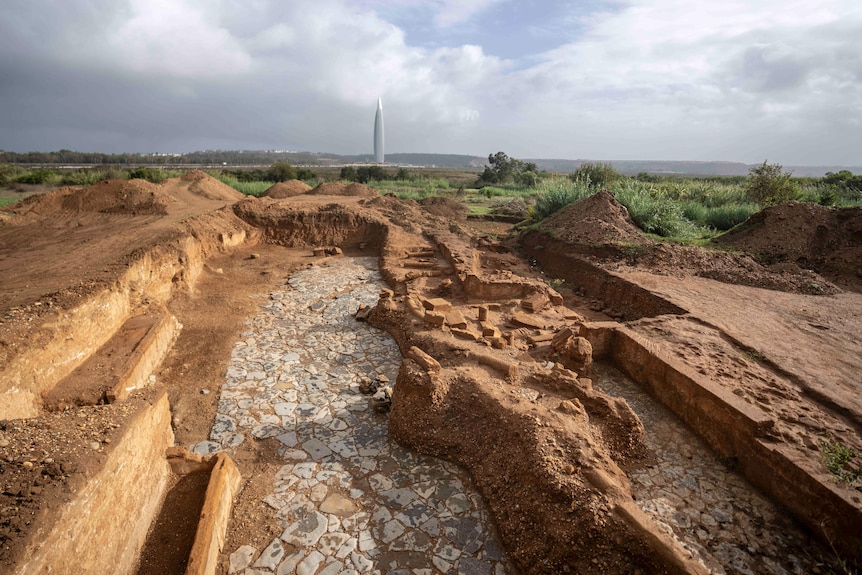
[[132, 197], [514, 210], [207, 186], [732, 268], [342, 189], [444, 207], [598, 219], [287, 189], [825, 239]]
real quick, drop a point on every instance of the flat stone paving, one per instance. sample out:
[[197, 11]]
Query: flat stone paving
[[722, 520], [349, 499]]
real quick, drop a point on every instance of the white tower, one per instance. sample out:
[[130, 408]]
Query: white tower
[[378, 133]]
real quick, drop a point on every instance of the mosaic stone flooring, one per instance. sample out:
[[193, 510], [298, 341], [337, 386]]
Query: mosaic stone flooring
[[349, 499], [711, 510]]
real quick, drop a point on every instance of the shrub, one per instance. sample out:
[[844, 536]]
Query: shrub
[[599, 175], [39, 177], [281, 172], [10, 173], [85, 177], [153, 175], [769, 184]]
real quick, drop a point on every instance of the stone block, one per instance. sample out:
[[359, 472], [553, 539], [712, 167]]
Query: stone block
[[467, 334], [437, 304], [535, 302], [435, 319], [525, 320], [455, 320], [490, 331]]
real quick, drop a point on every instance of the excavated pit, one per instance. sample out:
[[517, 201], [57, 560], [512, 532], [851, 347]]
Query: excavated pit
[[578, 470]]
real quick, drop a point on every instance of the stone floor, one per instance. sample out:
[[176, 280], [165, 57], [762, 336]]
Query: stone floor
[[712, 511], [349, 499]]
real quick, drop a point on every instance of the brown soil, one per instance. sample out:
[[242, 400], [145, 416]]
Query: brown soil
[[173, 533], [342, 189], [444, 207], [514, 210], [286, 189], [804, 235], [546, 450]]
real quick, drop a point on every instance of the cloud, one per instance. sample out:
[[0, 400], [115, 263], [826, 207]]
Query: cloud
[[444, 13], [654, 70], [726, 79]]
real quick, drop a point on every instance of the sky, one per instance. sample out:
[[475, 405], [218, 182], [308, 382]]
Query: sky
[[710, 80]]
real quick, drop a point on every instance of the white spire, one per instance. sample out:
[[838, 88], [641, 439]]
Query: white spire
[[378, 133]]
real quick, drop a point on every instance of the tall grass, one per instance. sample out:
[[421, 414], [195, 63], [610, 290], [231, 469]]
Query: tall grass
[[654, 212], [555, 194], [247, 188]]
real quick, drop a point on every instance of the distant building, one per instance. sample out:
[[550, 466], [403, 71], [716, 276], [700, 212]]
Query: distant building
[[378, 133]]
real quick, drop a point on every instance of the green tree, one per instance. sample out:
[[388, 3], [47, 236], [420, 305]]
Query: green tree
[[282, 171], [348, 174], [502, 169], [769, 184]]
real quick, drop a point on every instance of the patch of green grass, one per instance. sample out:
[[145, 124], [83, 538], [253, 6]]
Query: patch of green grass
[[842, 462], [8, 200], [754, 355], [247, 188], [478, 209]]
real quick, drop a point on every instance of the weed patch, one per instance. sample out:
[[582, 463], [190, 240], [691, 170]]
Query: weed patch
[[842, 462]]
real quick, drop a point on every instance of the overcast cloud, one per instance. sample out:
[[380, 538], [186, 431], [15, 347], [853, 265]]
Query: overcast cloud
[[736, 80]]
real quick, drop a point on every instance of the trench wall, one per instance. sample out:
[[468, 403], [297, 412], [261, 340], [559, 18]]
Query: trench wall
[[623, 297], [103, 527], [333, 226], [67, 338]]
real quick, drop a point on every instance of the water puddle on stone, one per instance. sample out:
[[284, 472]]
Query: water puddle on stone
[[716, 515], [348, 498]]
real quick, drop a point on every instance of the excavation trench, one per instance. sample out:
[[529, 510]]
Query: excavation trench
[[343, 495], [326, 489], [701, 502]]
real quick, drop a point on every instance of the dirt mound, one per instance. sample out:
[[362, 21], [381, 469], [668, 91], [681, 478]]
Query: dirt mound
[[132, 197], [732, 268], [444, 207], [825, 239], [515, 210], [287, 189], [342, 189], [210, 188], [598, 219]]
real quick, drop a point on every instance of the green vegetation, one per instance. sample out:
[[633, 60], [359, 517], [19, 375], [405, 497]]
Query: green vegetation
[[6, 200], [597, 175], [842, 462], [154, 175], [769, 184], [253, 188], [505, 170], [556, 194]]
